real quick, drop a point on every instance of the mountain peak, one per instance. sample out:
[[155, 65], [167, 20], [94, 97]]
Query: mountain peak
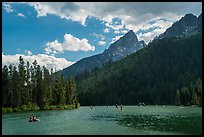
[[186, 26], [129, 36], [124, 46], [188, 19], [130, 33], [189, 15]]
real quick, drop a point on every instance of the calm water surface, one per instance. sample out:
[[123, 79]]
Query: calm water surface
[[148, 120]]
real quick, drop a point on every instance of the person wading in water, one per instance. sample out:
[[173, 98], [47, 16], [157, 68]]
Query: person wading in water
[[121, 107]]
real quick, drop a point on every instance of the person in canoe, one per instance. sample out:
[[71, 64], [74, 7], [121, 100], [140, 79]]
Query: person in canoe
[[33, 119]]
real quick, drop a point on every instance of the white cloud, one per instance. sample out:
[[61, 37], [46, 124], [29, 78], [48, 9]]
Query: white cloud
[[28, 52], [65, 10], [101, 43], [75, 44], [99, 36], [7, 7], [129, 12], [133, 15], [157, 23], [147, 37], [70, 43], [52, 46], [124, 31], [115, 38], [114, 26], [106, 30], [42, 60], [160, 27], [116, 31], [50, 51], [21, 15]]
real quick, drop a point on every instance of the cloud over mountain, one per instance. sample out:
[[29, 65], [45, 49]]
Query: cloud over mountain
[[133, 15]]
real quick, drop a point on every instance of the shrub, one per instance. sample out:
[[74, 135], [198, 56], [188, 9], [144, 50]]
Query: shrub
[[7, 110], [35, 106], [18, 109]]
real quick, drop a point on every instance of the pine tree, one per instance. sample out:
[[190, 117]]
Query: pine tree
[[11, 84], [5, 87], [32, 85], [22, 82], [56, 92], [62, 90], [16, 89], [51, 86], [39, 87], [73, 89], [198, 90], [34, 79], [28, 81], [46, 82], [194, 99], [177, 98]]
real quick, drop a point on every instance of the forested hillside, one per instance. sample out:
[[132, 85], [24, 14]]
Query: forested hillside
[[152, 75]]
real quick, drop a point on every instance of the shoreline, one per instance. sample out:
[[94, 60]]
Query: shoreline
[[7, 110]]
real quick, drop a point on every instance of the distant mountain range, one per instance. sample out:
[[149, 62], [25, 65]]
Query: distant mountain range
[[126, 45], [153, 74]]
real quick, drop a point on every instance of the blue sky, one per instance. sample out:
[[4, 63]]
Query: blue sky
[[59, 34]]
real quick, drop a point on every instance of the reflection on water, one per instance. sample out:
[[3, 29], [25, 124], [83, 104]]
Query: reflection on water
[[105, 117], [173, 123], [180, 124]]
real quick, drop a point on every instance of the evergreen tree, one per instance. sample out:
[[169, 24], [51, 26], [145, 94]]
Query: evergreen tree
[[177, 98], [22, 83], [31, 85], [11, 84], [71, 90], [27, 84], [34, 80], [51, 87], [194, 99], [5, 87], [62, 90], [16, 89], [39, 87], [46, 82]]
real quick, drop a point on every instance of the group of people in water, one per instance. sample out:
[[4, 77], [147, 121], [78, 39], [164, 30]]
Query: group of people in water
[[33, 119], [121, 106], [116, 105]]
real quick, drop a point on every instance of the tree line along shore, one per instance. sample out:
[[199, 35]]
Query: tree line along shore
[[30, 87]]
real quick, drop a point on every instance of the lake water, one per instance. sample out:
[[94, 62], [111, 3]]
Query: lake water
[[148, 120]]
